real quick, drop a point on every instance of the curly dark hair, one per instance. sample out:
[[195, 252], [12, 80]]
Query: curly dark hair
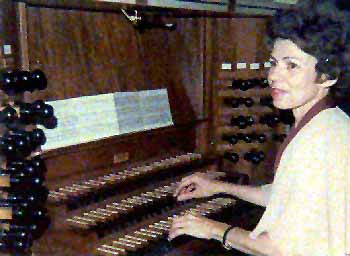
[[320, 28]]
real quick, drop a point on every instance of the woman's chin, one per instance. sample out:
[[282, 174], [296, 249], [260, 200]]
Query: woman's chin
[[281, 105]]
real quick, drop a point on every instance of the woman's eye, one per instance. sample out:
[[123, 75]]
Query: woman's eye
[[273, 63], [292, 65]]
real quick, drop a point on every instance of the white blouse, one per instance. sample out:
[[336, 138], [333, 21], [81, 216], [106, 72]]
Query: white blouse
[[308, 211]]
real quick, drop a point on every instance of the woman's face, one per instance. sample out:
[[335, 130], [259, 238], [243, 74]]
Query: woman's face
[[292, 76]]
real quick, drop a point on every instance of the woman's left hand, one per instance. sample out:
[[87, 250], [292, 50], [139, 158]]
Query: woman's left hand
[[197, 226]]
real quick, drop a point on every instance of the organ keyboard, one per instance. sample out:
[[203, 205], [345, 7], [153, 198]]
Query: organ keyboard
[[160, 196], [84, 188], [126, 211], [138, 242]]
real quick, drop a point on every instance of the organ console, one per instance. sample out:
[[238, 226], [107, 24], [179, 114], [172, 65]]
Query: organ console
[[114, 195]]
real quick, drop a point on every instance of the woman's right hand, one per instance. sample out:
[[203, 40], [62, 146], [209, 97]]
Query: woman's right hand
[[196, 186]]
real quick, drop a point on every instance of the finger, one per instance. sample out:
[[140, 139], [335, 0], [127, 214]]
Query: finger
[[185, 182], [196, 193], [176, 219], [183, 186], [181, 223], [186, 189], [175, 233], [191, 178], [184, 224], [180, 188], [191, 216], [190, 188], [192, 194], [187, 217], [183, 218], [176, 226], [194, 216], [179, 219], [196, 174], [186, 196], [187, 192]]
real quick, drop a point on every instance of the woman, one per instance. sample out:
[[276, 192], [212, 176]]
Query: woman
[[308, 203]]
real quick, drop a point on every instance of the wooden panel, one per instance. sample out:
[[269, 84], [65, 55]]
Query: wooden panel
[[186, 60], [263, 52], [246, 43], [68, 164], [9, 35], [103, 53], [83, 53]]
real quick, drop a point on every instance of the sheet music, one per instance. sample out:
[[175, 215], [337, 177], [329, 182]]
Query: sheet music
[[142, 110], [127, 106], [82, 120], [155, 108], [90, 118]]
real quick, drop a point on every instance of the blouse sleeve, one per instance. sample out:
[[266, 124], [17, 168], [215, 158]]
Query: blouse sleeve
[[266, 190]]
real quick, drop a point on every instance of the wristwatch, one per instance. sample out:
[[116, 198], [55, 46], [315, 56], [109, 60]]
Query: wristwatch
[[224, 238]]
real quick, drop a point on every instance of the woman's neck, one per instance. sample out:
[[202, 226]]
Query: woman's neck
[[300, 112]]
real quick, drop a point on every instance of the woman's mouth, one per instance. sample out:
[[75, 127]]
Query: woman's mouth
[[276, 93]]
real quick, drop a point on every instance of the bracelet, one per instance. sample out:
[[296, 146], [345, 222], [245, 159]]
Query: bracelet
[[224, 237]]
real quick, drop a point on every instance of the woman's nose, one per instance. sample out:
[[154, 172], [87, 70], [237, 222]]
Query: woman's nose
[[274, 74]]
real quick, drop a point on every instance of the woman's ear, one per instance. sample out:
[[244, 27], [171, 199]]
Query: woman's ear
[[324, 82]]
